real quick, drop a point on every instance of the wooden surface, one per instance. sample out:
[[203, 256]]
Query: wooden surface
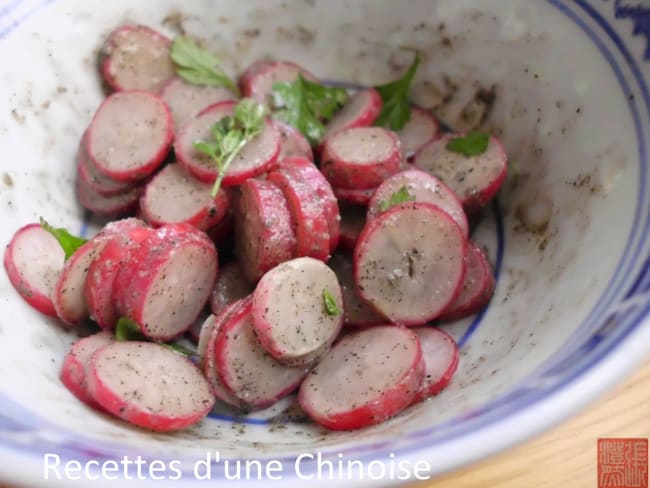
[[565, 456]]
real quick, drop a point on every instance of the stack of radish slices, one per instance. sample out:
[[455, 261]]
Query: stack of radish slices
[[320, 262]]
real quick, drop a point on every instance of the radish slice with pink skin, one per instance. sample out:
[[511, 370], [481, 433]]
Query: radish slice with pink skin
[[186, 100], [135, 57], [366, 378], [114, 205], [409, 263], [255, 158], [290, 318], [130, 135], [421, 187], [475, 180], [76, 363], [264, 235], [149, 385], [258, 79], [174, 196], [292, 143], [231, 286], [361, 157], [361, 110], [478, 286], [357, 312], [246, 369], [33, 261], [353, 220], [96, 181], [421, 128], [441, 357], [354, 197]]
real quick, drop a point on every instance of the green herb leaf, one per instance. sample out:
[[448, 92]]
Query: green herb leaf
[[179, 349], [68, 242], [396, 110], [472, 144], [127, 330], [331, 308], [400, 196], [306, 105], [231, 134], [199, 66]]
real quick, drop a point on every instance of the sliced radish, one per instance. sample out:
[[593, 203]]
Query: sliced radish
[[312, 228], [264, 235], [353, 220], [96, 181], [361, 157], [422, 127], [166, 281], [409, 262], [149, 385], [135, 57], [33, 261], [362, 110], [231, 286], [478, 286], [290, 317], [475, 180], [107, 206], [258, 79], [357, 312], [292, 143], [366, 378], [174, 195], [186, 100], [354, 197], [256, 157], [421, 187], [246, 369], [308, 172], [440, 354], [76, 365]]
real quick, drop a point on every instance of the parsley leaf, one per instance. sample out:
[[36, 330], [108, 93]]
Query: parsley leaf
[[68, 242], [127, 330], [306, 105], [331, 308], [472, 144], [400, 196], [396, 109], [231, 134], [179, 349], [199, 66]]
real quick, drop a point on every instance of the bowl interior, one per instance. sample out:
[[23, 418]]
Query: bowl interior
[[565, 236]]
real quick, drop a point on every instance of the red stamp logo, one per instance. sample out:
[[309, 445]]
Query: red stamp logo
[[622, 463]]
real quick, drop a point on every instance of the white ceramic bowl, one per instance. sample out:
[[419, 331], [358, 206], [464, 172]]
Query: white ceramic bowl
[[568, 236]]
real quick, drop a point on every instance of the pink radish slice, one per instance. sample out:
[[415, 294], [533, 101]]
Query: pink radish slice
[[409, 263], [149, 385], [135, 57], [174, 196], [357, 312], [362, 110], [353, 220], [246, 369], [33, 260], [361, 157], [421, 187], [98, 288], [441, 356], [366, 378], [107, 206], [96, 181], [475, 180], [309, 173], [290, 318], [258, 79], [231, 286], [308, 215], [264, 235], [255, 158], [76, 364], [186, 100], [166, 281], [354, 197], [422, 127], [478, 286], [130, 135], [292, 143]]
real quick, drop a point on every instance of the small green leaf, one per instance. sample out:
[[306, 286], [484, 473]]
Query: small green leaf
[[331, 308], [400, 196], [68, 242], [396, 110], [472, 144], [205, 148], [127, 330], [179, 349]]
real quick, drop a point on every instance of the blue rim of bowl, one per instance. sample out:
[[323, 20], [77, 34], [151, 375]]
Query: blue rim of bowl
[[615, 328]]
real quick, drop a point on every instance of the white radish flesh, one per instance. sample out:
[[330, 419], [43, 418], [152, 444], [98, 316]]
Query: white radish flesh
[[258, 79], [96, 181], [108, 206], [361, 110], [292, 143], [231, 286], [441, 357], [421, 128]]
